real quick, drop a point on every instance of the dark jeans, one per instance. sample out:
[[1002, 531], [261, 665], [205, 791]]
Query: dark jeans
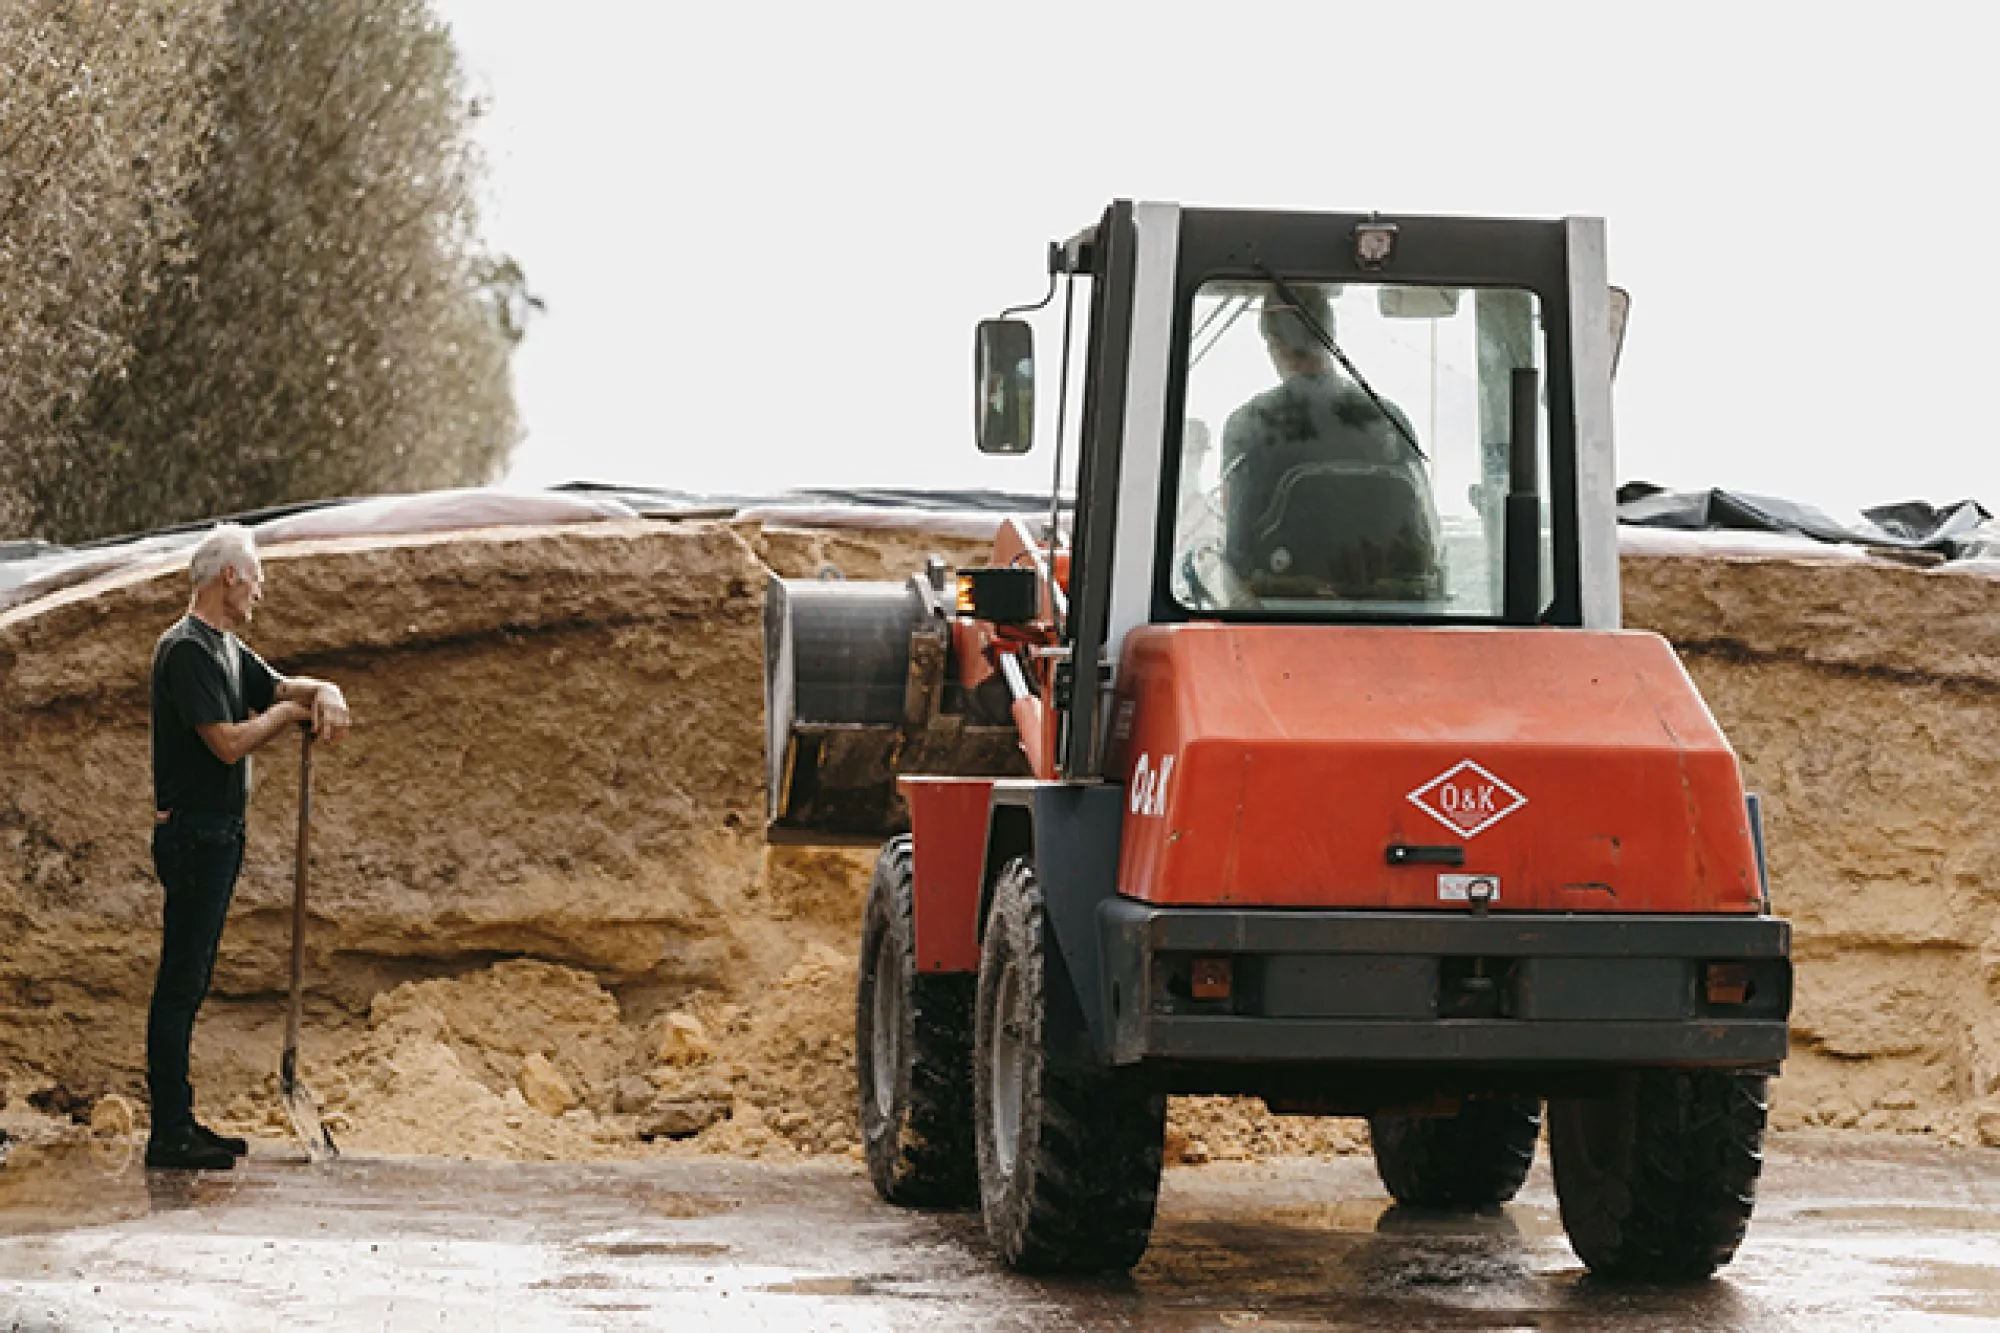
[[197, 856]]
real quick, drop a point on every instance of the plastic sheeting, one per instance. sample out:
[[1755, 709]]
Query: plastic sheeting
[[1652, 521], [978, 512], [1913, 525], [1732, 542], [441, 511], [29, 570]]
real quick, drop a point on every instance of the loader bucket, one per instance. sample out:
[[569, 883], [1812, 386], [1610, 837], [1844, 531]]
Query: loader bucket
[[859, 687]]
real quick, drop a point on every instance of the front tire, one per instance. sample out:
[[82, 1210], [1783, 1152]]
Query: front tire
[[1475, 1159], [912, 1052], [1658, 1179], [1069, 1153]]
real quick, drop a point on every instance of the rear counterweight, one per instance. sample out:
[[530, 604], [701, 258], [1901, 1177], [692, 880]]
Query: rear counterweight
[[1362, 988]]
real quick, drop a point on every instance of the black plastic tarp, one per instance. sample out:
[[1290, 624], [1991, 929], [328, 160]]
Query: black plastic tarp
[[1912, 525]]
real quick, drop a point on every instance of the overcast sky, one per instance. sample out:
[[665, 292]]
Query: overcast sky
[[764, 233]]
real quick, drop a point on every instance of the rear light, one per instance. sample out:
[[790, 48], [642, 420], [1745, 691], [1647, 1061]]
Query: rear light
[[1726, 983], [1210, 980]]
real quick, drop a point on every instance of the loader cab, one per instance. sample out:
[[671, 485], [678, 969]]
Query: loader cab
[[1337, 418]]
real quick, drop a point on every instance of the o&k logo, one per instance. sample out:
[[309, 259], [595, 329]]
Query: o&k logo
[[1149, 786], [1467, 799]]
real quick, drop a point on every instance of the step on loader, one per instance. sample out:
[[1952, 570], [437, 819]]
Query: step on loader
[[1295, 752]]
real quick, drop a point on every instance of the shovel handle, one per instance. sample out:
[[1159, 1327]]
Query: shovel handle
[[299, 894]]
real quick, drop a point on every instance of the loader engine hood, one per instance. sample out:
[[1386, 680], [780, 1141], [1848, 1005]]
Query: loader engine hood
[[1363, 767]]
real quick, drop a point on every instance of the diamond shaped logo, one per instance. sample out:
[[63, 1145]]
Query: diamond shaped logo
[[1467, 799]]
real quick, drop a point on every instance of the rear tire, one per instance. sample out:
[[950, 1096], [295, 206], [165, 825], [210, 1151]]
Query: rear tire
[[912, 1052], [1475, 1159], [1657, 1180], [1069, 1153]]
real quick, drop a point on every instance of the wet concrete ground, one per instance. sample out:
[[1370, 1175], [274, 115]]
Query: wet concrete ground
[[1850, 1233]]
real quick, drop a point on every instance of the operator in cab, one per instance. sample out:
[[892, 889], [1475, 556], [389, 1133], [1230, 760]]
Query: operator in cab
[[1326, 495]]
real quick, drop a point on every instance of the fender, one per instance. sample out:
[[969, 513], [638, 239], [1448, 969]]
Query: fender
[[1077, 829], [965, 830], [948, 825]]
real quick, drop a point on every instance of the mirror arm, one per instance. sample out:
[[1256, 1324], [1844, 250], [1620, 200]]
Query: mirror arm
[[1047, 297]]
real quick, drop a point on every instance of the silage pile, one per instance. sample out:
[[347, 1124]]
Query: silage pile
[[545, 923], [1863, 699], [543, 917]]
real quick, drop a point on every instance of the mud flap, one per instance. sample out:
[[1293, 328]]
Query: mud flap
[[1077, 830]]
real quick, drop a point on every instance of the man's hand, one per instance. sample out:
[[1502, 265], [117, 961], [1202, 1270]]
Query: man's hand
[[330, 719], [325, 708]]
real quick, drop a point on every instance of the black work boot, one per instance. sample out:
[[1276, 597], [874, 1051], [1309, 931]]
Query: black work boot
[[229, 1143], [184, 1149]]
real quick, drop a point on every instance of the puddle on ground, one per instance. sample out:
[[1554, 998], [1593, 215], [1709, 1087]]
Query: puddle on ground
[[83, 1183], [1964, 1290], [580, 1282], [823, 1286], [682, 1206], [1896, 1217], [554, 1241], [1356, 1215], [656, 1249], [1480, 1265]]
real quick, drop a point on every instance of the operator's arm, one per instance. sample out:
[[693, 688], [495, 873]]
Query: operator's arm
[[231, 741]]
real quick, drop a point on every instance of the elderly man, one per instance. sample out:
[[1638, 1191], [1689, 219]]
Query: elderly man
[[214, 703]]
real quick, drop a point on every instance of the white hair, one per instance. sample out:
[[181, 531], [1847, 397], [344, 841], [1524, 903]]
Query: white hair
[[227, 546]]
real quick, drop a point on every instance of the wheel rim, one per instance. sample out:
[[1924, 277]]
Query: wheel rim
[[885, 1025], [1004, 1075]]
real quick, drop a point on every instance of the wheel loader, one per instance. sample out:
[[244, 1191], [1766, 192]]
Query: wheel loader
[[1296, 752]]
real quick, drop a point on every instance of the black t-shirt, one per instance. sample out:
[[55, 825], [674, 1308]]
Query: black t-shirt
[[203, 675]]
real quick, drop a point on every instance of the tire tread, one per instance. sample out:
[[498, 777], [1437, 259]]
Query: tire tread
[[1679, 1207], [1083, 1195], [1475, 1159], [923, 1156]]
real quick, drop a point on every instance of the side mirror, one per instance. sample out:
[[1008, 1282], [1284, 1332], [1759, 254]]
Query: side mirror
[[1003, 369], [1621, 310]]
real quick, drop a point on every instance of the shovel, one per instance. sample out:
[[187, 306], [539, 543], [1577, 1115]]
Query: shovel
[[301, 1108]]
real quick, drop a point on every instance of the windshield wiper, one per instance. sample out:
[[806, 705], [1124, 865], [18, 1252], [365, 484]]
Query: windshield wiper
[[1291, 299], [1235, 308]]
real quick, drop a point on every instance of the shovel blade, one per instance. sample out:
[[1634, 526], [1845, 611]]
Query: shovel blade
[[302, 1109]]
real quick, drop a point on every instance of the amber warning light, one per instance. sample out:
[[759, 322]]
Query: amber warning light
[[1210, 980], [1727, 983], [1005, 595]]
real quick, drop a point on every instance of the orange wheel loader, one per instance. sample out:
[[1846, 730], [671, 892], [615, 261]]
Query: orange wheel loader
[[1295, 752]]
